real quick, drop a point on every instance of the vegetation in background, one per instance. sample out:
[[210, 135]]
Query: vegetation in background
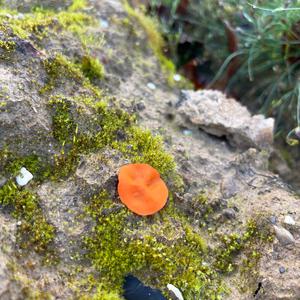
[[250, 49]]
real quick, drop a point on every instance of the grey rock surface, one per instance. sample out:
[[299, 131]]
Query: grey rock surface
[[220, 116], [283, 235]]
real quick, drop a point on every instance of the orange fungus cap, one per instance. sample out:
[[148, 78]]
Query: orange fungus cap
[[141, 189]]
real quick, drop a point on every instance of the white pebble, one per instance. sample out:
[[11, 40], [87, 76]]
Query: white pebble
[[283, 235], [104, 23], [177, 77], [175, 291], [151, 86], [24, 177], [289, 220], [187, 132]]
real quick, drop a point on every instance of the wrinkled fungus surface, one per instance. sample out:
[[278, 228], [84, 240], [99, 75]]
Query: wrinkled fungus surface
[[141, 189]]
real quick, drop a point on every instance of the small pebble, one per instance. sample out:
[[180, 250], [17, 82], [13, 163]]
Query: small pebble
[[175, 291], [151, 86], [24, 177], [289, 220], [187, 132], [103, 23], [229, 213], [19, 223], [297, 132], [177, 77], [140, 106], [273, 220], [283, 235], [281, 270], [2, 181]]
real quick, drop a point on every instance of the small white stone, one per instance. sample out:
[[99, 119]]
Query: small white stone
[[177, 77], [24, 177], [19, 223], [283, 235], [104, 23], [151, 86], [289, 220], [187, 132], [175, 291]]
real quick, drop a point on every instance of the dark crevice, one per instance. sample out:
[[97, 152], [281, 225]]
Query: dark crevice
[[257, 290]]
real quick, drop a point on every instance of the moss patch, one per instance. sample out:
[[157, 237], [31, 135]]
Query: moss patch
[[156, 41], [116, 251], [92, 68], [255, 237], [34, 232]]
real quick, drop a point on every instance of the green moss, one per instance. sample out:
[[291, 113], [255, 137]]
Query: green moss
[[257, 233], [63, 124], [116, 250], [10, 165], [7, 45], [92, 68], [113, 128], [77, 5], [34, 231], [156, 41], [40, 22], [141, 146], [58, 68]]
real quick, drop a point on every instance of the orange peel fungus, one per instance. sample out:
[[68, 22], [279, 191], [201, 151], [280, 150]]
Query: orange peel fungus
[[141, 189]]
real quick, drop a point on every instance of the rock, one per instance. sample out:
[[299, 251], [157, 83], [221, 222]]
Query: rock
[[229, 213], [151, 86], [281, 270], [177, 77], [283, 235], [229, 187], [24, 177], [289, 220], [225, 117], [187, 132], [2, 181], [273, 220], [140, 106], [175, 291]]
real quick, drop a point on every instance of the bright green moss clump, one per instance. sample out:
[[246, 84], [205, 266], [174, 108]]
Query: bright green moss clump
[[34, 232], [142, 147], [40, 22], [254, 236], [110, 127], [118, 245], [92, 68], [7, 45]]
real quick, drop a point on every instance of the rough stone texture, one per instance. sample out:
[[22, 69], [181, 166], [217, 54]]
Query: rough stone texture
[[225, 117], [237, 181]]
